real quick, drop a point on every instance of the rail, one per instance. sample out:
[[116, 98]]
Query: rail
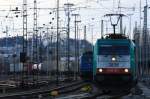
[[35, 93]]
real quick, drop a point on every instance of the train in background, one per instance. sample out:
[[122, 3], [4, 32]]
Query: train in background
[[86, 65]]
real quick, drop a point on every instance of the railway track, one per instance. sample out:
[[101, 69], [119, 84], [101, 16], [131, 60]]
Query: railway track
[[43, 91], [99, 94], [108, 94], [116, 96], [68, 90]]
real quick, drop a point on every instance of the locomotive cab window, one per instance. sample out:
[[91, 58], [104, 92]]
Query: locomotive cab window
[[113, 56], [113, 50]]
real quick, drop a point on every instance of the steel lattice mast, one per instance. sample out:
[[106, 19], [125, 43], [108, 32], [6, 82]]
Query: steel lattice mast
[[68, 6], [57, 48], [35, 40], [35, 34], [23, 55], [25, 25]]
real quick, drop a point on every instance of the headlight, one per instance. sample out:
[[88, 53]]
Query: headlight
[[100, 70], [113, 59], [126, 70]]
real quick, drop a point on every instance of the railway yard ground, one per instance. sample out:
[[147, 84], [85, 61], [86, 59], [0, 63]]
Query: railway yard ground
[[74, 90], [141, 91]]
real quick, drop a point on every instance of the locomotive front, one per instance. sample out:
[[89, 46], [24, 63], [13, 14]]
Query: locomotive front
[[114, 61]]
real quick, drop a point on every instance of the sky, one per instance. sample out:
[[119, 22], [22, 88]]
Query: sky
[[91, 13]]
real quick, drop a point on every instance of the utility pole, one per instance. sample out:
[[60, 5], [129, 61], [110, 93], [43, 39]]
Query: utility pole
[[6, 38], [68, 5], [35, 39], [78, 47], [85, 38], [57, 82], [40, 45], [23, 54], [102, 28], [75, 21], [121, 29], [130, 27], [92, 30], [25, 26], [140, 39], [121, 25], [140, 14], [145, 43], [6, 44], [92, 26]]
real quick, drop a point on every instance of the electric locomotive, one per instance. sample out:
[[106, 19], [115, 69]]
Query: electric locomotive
[[86, 65], [114, 60]]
